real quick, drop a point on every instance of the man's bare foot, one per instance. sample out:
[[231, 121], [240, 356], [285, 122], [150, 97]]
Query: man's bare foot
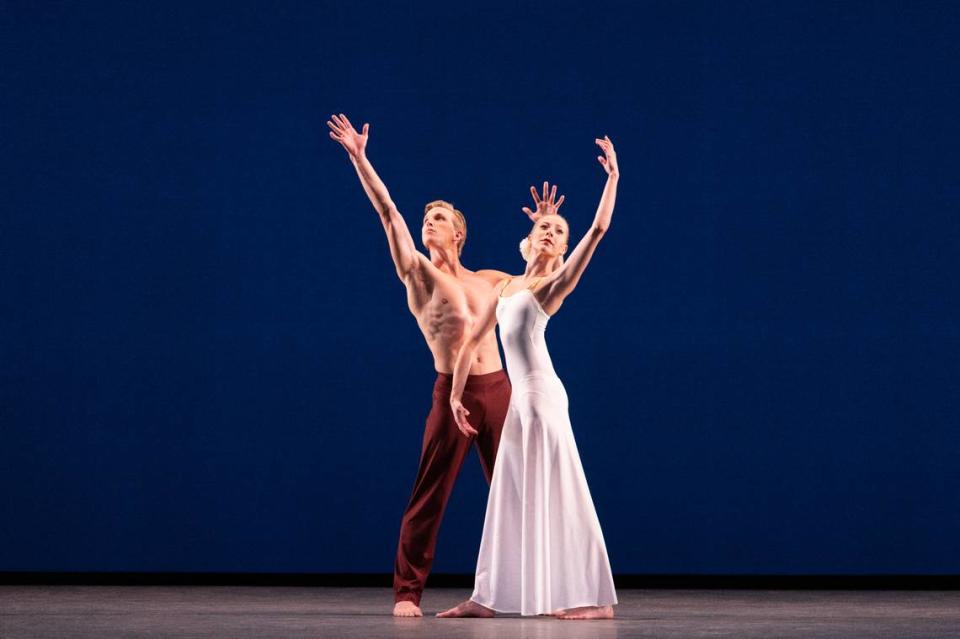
[[407, 609], [588, 612], [467, 609]]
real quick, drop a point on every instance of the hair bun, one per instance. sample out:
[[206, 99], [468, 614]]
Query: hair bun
[[525, 248]]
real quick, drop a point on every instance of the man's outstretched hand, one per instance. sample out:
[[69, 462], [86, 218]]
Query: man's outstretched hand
[[547, 205], [343, 132]]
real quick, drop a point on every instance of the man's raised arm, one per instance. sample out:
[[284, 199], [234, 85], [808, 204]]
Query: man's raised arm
[[402, 249]]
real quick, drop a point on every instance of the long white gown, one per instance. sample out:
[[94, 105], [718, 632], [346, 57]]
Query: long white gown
[[542, 548]]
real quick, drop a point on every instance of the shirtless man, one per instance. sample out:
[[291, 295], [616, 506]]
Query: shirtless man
[[446, 299]]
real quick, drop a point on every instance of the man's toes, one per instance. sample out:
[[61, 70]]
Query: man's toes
[[405, 609]]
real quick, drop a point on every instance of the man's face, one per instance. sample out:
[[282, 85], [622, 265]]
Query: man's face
[[438, 228]]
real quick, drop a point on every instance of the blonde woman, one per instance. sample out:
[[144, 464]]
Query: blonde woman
[[542, 550]]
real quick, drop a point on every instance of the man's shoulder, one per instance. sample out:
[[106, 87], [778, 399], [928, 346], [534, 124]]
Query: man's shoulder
[[491, 276]]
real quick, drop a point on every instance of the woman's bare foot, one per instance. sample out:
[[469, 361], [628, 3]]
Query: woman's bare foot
[[407, 609], [467, 609], [588, 612]]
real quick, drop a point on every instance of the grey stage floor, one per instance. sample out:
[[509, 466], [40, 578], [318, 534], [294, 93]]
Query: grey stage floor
[[264, 612]]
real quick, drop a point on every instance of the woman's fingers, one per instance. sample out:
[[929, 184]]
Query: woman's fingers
[[560, 201], [606, 144], [464, 425], [536, 196]]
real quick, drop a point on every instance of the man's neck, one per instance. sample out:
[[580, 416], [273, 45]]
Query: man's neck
[[447, 260]]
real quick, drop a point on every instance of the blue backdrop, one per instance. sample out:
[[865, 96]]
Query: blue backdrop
[[208, 364]]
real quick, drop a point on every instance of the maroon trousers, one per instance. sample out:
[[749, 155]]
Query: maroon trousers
[[444, 449]]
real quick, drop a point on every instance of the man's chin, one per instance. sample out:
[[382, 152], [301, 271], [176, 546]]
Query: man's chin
[[431, 243]]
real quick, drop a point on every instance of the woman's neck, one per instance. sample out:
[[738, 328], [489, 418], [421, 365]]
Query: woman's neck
[[541, 266]]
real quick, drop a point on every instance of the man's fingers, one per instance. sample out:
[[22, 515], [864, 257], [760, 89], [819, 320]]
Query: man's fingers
[[560, 201], [345, 119], [528, 211], [553, 193], [366, 129], [536, 196], [545, 190], [337, 120]]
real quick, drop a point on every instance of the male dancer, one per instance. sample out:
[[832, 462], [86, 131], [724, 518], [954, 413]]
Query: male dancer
[[446, 299]]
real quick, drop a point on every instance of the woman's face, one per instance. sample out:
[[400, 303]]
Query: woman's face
[[549, 235]]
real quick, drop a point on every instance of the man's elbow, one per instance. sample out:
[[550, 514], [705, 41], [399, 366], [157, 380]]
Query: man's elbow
[[388, 210]]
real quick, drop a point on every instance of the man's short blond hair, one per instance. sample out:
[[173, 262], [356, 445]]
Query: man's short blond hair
[[459, 221]]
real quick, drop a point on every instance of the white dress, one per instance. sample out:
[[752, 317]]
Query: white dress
[[542, 548]]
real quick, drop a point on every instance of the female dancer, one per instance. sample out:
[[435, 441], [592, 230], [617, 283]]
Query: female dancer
[[542, 550]]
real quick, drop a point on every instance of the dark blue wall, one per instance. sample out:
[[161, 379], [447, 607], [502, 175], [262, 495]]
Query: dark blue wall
[[208, 365]]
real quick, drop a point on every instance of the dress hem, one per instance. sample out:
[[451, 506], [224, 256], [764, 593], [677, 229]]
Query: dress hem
[[533, 614]]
